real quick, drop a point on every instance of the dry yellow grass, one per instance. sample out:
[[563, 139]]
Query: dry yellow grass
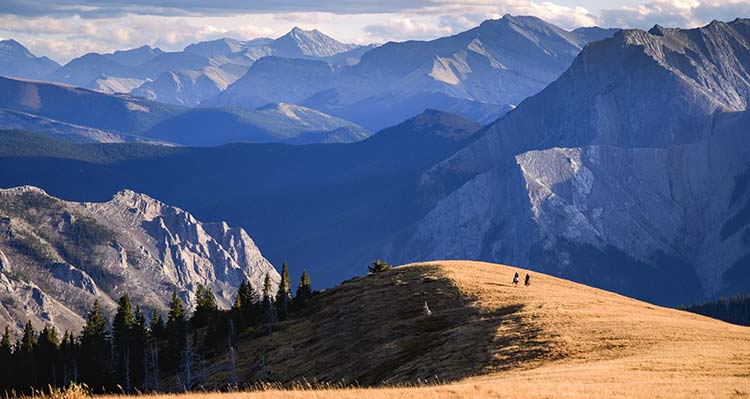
[[566, 341]]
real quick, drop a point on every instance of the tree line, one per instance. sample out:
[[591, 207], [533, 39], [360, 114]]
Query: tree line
[[131, 352], [734, 309]]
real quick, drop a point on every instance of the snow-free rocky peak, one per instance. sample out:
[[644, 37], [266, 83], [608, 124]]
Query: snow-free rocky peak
[[478, 74], [66, 254], [310, 43], [633, 163]]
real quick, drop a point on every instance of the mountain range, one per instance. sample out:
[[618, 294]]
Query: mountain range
[[56, 257], [627, 172], [199, 71], [630, 167], [479, 74], [82, 115], [314, 206]]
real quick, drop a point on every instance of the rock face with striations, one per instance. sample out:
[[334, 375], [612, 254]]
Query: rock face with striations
[[56, 257], [629, 172]]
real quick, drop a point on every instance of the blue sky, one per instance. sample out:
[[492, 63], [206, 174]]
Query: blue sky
[[63, 29]]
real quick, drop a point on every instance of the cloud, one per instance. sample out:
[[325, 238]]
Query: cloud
[[64, 29], [65, 38], [677, 13], [111, 8], [403, 28]]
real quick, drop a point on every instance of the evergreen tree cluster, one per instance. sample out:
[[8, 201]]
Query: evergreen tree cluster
[[131, 353], [734, 310]]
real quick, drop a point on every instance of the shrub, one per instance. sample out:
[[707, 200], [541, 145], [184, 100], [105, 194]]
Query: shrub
[[379, 266]]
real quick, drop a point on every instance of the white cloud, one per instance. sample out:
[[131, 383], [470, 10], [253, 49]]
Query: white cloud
[[64, 29], [403, 28], [678, 13]]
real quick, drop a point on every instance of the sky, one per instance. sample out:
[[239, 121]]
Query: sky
[[64, 29]]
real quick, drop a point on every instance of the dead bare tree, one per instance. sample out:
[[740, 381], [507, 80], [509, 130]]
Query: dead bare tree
[[232, 372], [151, 359]]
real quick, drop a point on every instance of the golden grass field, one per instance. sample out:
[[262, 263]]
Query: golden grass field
[[554, 339]]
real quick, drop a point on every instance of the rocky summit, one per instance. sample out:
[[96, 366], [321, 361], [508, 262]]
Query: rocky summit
[[57, 257], [629, 172]]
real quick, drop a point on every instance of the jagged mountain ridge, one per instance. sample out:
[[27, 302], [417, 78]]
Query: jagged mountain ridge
[[318, 207], [199, 71], [58, 256], [593, 101], [624, 167], [495, 65]]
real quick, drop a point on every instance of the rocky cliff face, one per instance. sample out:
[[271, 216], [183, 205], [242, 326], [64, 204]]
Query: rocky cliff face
[[629, 172], [56, 257]]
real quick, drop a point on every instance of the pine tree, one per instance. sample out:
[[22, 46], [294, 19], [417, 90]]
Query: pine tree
[[46, 357], [235, 312], [95, 345], [282, 295], [245, 308], [138, 349], [205, 306], [24, 358], [176, 330], [156, 325], [122, 330], [28, 341], [6, 365], [304, 291], [6, 346], [176, 312], [268, 305], [70, 350]]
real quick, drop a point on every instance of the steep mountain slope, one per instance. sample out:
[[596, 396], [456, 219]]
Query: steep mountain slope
[[115, 113], [495, 65], [18, 62], [300, 43], [620, 174], [320, 207], [57, 256], [487, 338], [274, 123]]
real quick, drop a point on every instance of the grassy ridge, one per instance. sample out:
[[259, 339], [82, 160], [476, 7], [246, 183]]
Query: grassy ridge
[[561, 340]]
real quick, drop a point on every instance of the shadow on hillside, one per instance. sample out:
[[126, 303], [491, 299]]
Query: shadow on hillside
[[372, 331]]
